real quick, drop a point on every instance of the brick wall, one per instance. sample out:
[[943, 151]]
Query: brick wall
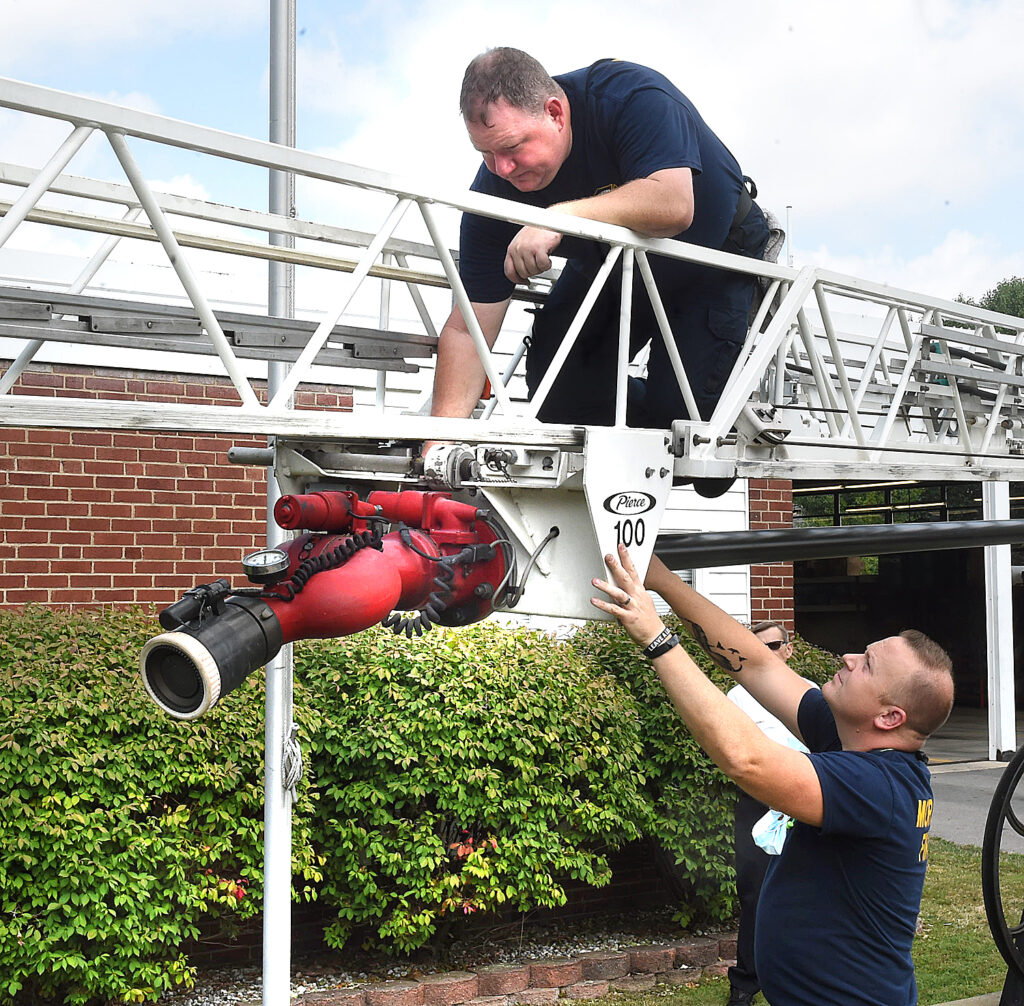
[[771, 584], [111, 517]]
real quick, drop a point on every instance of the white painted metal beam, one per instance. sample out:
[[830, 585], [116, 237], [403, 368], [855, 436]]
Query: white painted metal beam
[[1002, 729]]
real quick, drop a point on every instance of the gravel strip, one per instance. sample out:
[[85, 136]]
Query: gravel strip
[[512, 944]]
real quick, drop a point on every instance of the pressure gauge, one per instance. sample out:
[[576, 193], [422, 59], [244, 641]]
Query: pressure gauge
[[266, 566]]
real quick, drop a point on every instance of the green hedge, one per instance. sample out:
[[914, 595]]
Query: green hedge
[[120, 828], [506, 745], [470, 771]]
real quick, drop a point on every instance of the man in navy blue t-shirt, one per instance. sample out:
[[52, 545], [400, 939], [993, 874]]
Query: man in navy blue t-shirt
[[837, 913], [619, 143]]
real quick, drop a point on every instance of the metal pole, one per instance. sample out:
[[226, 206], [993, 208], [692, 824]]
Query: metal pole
[[384, 323], [277, 832], [724, 548], [625, 315], [1002, 732]]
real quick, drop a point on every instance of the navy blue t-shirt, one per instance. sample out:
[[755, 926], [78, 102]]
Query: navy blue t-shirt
[[838, 909], [627, 121]]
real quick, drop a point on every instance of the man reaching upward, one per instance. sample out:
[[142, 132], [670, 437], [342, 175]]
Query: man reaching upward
[[838, 908]]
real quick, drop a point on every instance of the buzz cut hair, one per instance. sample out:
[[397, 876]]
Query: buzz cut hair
[[927, 697], [509, 74]]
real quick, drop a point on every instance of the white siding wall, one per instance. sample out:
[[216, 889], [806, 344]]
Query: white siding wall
[[728, 586]]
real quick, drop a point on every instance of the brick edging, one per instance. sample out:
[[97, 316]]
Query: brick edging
[[589, 975]]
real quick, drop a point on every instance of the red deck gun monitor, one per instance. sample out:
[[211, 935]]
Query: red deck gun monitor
[[444, 560]]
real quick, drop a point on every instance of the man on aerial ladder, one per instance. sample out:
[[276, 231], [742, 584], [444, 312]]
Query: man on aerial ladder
[[619, 143]]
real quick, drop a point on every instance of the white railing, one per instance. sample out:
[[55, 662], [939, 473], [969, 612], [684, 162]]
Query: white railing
[[919, 383]]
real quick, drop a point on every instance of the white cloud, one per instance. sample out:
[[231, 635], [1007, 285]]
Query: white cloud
[[866, 117], [962, 263], [35, 31], [181, 185]]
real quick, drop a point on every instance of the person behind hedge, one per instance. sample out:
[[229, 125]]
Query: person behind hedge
[[838, 907], [751, 858]]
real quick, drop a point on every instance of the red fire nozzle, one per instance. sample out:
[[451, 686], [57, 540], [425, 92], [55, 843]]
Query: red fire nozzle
[[442, 563]]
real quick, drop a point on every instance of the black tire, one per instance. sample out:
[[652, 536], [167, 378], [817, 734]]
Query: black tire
[[1008, 938]]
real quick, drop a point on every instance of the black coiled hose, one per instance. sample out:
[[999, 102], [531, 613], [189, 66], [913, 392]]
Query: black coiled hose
[[332, 559], [430, 614]]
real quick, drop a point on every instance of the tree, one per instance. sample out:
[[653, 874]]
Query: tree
[[1006, 297]]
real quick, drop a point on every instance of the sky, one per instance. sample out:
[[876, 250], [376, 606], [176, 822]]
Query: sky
[[894, 130]]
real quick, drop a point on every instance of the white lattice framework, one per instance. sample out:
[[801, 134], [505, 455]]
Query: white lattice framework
[[932, 390]]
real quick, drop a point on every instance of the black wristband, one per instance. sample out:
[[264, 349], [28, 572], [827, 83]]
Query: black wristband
[[661, 643]]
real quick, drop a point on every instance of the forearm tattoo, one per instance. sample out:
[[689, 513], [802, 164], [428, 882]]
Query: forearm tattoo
[[726, 657]]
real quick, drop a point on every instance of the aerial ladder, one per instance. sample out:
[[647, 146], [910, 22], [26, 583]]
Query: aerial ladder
[[839, 378]]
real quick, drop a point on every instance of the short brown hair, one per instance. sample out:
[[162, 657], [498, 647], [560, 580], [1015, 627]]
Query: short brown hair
[[505, 73], [770, 623], [927, 695]]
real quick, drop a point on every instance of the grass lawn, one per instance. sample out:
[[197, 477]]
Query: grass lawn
[[954, 955]]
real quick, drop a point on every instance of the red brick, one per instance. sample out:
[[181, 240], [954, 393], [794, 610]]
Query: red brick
[[36, 379], [681, 976], [632, 983], [106, 383], [31, 597], [502, 979], [31, 479], [95, 439], [449, 988], [49, 436], [332, 997], [720, 969], [11, 580], [604, 964], [18, 535], [76, 597], [173, 389], [396, 993], [51, 580], [26, 508], [67, 509], [586, 990], [19, 389], [727, 946], [555, 972], [28, 451], [650, 959], [48, 524], [696, 952], [535, 997]]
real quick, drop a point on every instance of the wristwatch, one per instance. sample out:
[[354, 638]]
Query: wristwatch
[[661, 643]]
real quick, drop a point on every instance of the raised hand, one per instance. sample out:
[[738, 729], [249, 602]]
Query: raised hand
[[628, 601]]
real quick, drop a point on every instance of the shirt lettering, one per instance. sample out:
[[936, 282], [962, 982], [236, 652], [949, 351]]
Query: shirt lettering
[[924, 820]]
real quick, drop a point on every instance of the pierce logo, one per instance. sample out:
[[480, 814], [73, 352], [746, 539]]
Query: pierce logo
[[628, 504]]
